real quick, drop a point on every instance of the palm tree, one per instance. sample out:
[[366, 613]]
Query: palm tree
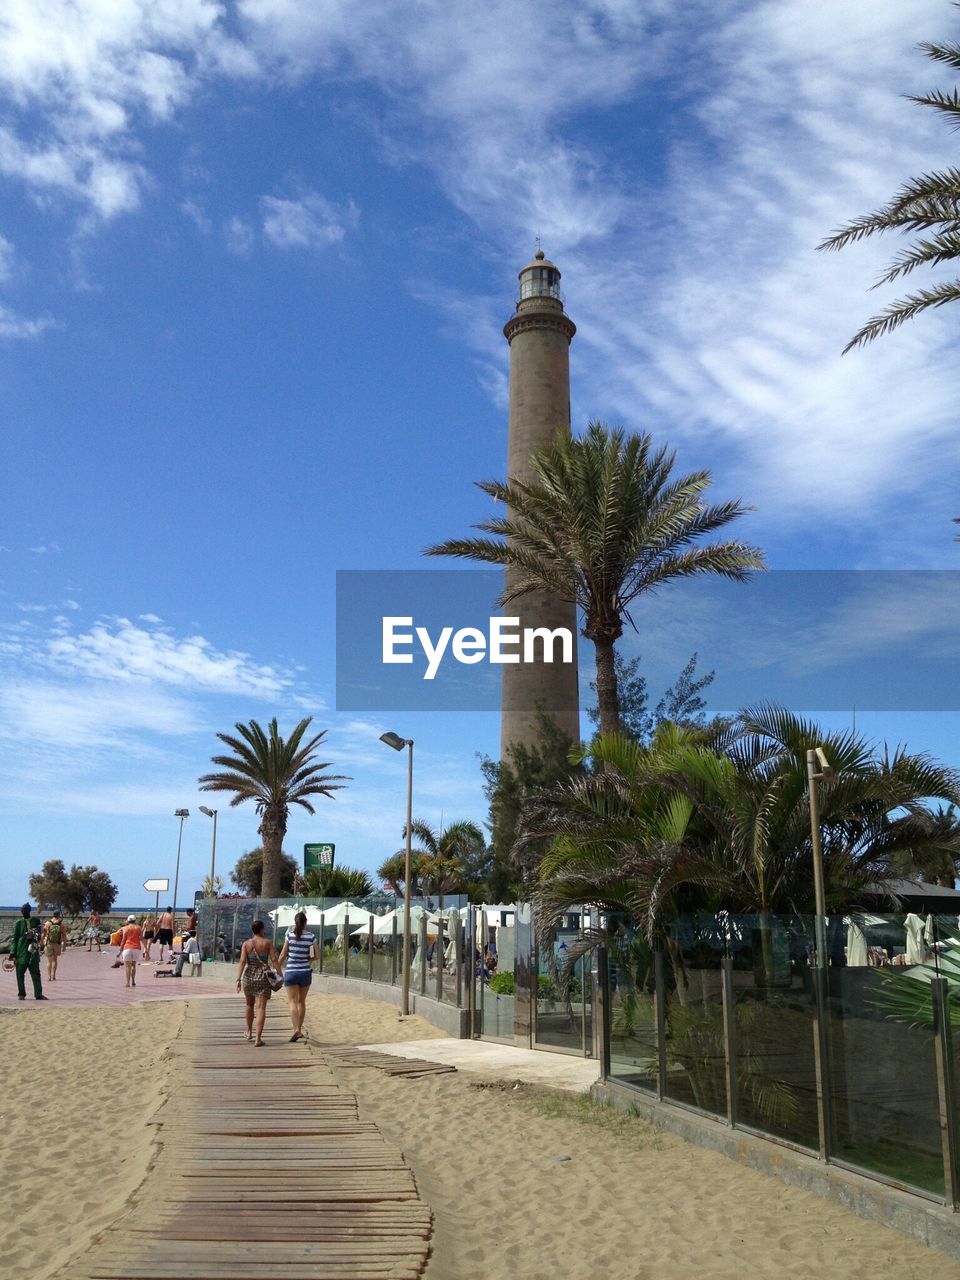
[[690, 825], [274, 774], [600, 523], [337, 882], [929, 206], [445, 854]]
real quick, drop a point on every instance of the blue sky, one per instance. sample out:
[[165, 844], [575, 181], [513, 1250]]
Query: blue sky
[[254, 262]]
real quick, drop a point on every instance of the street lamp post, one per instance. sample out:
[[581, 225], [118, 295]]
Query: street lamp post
[[818, 767], [182, 814], [212, 813], [398, 743]]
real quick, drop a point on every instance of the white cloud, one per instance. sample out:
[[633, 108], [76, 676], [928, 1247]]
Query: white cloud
[[14, 326], [196, 214], [85, 718], [309, 222], [96, 72], [7, 259], [122, 651], [238, 237]]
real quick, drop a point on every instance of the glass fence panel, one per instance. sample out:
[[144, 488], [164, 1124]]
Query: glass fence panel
[[883, 1080], [564, 1009], [633, 1014], [496, 1008], [773, 1026], [695, 1065]]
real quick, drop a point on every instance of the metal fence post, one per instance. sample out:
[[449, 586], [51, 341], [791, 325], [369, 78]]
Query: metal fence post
[[422, 953], [458, 956], [346, 946], [438, 958], [370, 947], [601, 1011], [821, 1056], [729, 1040], [946, 1092], [320, 948], [660, 1006], [393, 949]]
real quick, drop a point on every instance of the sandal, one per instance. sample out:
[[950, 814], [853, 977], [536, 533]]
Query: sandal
[[296, 1036]]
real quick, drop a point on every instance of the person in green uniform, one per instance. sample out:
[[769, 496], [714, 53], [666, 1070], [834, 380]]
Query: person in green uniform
[[25, 955]]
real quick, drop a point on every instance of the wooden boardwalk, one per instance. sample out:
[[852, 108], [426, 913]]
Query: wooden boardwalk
[[263, 1166]]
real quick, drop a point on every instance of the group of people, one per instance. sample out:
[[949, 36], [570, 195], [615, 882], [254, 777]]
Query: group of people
[[260, 969]]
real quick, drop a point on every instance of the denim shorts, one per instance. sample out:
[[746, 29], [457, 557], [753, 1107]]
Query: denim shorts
[[297, 979]]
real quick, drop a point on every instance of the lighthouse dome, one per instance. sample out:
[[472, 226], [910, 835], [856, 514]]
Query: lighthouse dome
[[540, 279]]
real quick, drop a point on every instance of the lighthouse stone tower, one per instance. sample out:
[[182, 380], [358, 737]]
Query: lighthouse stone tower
[[539, 333]]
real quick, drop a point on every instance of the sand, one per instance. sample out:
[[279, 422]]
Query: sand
[[520, 1187], [77, 1088], [519, 1193]]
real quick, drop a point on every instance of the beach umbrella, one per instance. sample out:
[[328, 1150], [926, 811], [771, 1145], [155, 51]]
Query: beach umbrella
[[384, 924], [336, 915]]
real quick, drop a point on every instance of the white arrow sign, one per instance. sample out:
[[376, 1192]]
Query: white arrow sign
[[156, 886]]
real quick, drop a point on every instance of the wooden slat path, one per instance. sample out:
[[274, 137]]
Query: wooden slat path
[[263, 1164], [387, 1062]]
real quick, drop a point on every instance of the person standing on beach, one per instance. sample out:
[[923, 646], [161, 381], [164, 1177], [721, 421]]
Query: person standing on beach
[[25, 949], [54, 939], [92, 931], [131, 945], [165, 931], [296, 957], [257, 955]]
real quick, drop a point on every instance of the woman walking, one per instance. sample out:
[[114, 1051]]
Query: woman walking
[[149, 928], [131, 946], [257, 956], [299, 950], [54, 939]]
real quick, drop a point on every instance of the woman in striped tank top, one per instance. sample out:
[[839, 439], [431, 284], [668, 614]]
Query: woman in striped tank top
[[299, 950]]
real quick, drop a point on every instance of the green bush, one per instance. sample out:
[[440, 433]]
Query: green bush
[[501, 984], [546, 987]]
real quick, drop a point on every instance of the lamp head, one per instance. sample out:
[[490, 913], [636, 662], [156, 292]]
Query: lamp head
[[182, 813], [393, 740], [209, 812], [825, 765]]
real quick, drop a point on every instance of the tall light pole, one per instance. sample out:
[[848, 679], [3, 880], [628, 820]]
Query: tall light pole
[[398, 743], [182, 814], [818, 767], [212, 813]]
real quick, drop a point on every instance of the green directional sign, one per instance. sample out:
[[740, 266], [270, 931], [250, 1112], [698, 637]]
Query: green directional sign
[[316, 856]]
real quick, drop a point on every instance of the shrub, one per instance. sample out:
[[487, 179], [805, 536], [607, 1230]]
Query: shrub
[[501, 984]]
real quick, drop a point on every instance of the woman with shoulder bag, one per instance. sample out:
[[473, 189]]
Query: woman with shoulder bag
[[296, 958], [258, 957]]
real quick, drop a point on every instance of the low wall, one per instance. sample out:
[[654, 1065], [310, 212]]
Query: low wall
[[933, 1225]]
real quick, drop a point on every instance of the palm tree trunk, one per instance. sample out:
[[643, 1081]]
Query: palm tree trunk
[[272, 831], [608, 696]]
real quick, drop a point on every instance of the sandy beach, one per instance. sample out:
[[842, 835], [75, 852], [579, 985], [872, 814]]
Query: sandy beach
[[78, 1087], [520, 1185]]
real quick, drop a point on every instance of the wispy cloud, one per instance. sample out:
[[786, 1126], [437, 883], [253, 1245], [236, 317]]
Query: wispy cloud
[[308, 222], [122, 651]]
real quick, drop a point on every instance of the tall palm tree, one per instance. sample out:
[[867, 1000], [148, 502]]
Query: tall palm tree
[[601, 522], [930, 207], [274, 773]]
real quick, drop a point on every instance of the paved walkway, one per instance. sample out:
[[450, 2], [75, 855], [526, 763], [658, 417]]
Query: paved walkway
[[263, 1168], [85, 979], [492, 1061]]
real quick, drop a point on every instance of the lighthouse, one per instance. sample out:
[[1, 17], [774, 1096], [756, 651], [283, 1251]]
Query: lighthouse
[[539, 333]]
